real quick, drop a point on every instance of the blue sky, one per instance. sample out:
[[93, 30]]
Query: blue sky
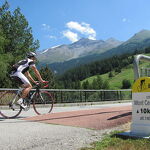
[[56, 22]]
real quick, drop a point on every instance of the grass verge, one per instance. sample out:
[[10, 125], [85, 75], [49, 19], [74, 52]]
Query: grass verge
[[112, 142]]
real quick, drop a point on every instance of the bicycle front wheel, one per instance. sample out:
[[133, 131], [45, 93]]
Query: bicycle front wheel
[[43, 102], [8, 104]]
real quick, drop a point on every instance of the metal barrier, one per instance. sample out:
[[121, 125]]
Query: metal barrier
[[77, 96], [144, 72]]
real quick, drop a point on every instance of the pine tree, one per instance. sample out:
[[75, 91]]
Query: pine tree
[[126, 84], [85, 84], [110, 75], [15, 40], [105, 85], [99, 82], [94, 84], [17, 32]]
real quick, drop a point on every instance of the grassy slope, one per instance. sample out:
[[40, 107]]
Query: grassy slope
[[116, 81]]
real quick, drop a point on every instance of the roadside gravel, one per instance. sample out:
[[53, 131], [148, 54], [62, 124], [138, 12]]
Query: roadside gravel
[[38, 136]]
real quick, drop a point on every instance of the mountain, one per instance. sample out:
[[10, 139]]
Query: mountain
[[78, 49], [138, 41], [55, 54], [138, 37]]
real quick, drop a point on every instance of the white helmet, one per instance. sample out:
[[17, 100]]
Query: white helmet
[[31, 54]]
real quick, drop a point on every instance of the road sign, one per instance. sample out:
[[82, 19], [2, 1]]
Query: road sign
[[141, 107]]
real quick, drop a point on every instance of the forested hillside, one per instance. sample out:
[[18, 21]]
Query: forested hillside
[[72, 78]]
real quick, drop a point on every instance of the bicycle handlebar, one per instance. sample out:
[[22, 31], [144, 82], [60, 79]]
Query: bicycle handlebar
[[38, 84], [46, 86]]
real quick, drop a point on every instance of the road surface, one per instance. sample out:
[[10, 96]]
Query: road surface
[[21, 134]]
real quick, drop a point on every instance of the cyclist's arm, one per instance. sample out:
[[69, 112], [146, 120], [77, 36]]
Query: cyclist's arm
[[30, 77], [37, 74]]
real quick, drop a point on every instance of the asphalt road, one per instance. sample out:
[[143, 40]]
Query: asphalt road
[[18, 134]]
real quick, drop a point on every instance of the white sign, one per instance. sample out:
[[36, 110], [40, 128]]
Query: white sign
[[141, 114]]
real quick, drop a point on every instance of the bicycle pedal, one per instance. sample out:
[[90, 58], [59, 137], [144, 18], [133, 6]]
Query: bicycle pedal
[[11, 106], [26, 109]]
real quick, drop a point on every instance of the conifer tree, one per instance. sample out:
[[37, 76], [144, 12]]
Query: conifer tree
[[15, 40]]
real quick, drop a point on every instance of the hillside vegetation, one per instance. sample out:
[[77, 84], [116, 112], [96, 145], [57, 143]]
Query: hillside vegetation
[[115, 82], [115, 66]]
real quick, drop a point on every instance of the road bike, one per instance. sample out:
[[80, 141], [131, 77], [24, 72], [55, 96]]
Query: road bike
[[42, 102]]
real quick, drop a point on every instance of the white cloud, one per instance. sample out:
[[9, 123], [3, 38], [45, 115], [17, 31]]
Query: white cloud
[[73, 31], [124, 19], [47, 30], [91, 37], [83, 28], [51, 37], [45, 27], [73, 37]]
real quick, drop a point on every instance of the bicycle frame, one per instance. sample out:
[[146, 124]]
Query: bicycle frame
[[19, 94], [35, 97], [31, 95]]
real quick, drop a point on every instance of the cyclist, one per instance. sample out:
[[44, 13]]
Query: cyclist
[[20, 73]]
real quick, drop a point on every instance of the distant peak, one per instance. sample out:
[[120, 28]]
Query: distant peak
[[142, 33], [83, 39], [44, 51], [111, 39], [56, 46], [144, 30]]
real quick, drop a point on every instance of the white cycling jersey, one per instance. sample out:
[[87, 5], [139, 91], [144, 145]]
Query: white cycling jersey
[[23, 65], [20, 68]]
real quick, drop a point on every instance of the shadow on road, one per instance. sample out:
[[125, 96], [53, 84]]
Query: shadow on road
[[120, 116]]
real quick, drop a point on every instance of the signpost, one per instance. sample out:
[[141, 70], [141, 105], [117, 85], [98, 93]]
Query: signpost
[[141, 108], [140, 126]]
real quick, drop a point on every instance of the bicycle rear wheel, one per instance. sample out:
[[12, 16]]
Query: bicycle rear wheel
[[43, 102], [8, 104]]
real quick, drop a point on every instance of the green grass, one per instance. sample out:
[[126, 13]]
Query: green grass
[[115, 82], [111, 142]]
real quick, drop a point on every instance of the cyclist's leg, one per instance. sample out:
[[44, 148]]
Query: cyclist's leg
[[25, 84], [26, 90]]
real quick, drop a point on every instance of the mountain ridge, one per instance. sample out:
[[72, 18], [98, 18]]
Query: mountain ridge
[[138, 41], [77, 49]]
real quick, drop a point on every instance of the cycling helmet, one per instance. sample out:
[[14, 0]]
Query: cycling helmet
[[31, 54]]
